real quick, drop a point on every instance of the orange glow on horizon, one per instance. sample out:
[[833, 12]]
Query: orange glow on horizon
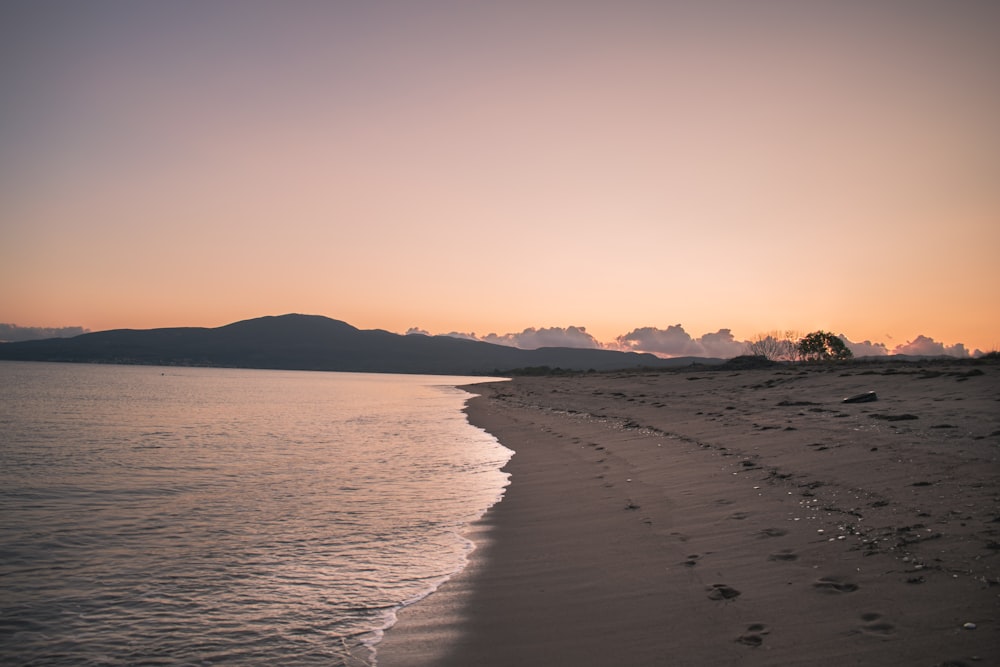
[[486, 169]]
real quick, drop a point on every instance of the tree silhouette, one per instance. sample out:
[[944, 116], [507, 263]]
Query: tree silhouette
[[823, 346], [775, 345]]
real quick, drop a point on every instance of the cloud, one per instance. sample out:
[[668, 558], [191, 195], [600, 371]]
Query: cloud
[[925, 345], [675, 342], [672, 341], [722, 344], [417, 331], [12, 333], [532, 338], [466, 336], [865, 348]]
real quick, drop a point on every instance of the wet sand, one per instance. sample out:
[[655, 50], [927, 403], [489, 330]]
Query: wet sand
[[713, 517]]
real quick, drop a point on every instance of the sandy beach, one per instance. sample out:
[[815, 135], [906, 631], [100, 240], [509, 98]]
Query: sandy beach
[[731, 517]]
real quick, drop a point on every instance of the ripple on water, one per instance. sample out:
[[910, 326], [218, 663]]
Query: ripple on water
[[226, 516]]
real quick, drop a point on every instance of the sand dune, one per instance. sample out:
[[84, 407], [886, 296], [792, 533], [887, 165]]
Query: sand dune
[[731, 517]]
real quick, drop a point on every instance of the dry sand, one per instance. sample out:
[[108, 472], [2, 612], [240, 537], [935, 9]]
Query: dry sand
[[731, 518]]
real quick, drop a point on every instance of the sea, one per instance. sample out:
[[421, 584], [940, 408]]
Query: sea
[[205, 516]]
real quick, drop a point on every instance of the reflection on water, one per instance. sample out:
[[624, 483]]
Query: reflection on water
[[207, 516]]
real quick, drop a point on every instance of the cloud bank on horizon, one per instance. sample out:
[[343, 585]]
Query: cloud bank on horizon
[[12, 333], [674, 341]]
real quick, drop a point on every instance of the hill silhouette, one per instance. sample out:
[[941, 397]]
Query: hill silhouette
[[313, 342]]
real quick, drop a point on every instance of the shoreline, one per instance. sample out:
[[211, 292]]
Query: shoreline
[[744, 517]]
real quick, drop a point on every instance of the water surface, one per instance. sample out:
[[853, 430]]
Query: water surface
[[216, 516]]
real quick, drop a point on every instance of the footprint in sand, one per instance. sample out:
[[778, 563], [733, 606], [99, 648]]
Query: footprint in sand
[[722, 592], [835, 585], [772, 532], [692, 560], [784, 555], [739, 516], [754, 635], [875, 624]]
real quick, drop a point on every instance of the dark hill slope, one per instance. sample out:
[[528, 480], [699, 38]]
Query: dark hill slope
[[310, 342]]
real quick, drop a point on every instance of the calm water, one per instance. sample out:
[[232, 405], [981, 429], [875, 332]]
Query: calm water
[[182, 516]]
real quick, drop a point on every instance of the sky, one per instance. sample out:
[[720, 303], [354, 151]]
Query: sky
[[632, 170]]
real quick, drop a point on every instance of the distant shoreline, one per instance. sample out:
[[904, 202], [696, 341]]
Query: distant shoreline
[[744, 517], [685, 365]]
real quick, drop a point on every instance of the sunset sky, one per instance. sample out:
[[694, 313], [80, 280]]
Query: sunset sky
[[492, 167]]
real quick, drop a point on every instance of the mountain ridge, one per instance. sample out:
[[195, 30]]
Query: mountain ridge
[[314, 342]]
